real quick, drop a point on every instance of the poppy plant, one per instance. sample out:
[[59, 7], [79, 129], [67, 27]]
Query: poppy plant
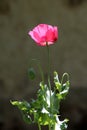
[[44, 34], [45, 110]]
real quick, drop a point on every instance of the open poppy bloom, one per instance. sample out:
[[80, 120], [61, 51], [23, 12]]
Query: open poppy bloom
[[44, 34]]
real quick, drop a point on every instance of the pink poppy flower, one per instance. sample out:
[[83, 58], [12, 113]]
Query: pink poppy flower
[[44, 34]]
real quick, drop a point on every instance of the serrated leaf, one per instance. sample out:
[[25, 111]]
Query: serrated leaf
[[57, 82], [22, 105], [25, 108]]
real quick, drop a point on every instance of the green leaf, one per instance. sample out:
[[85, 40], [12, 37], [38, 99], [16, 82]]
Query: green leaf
[[55, 104], [63, 88], [25, 108], [57, 82], [64, 91], [44, 95], [44, 119]]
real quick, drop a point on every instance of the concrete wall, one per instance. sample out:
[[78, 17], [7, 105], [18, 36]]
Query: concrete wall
[[17, 17], [17, 49]]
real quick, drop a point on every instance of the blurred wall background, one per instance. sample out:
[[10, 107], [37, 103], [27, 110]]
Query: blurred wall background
[[17, 49]]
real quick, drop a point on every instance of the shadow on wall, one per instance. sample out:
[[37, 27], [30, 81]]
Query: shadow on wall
[[74, 3], [4, 7], [75, 109]]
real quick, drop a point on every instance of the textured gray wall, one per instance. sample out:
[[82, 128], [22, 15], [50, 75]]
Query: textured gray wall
[[17, 49], [17, 17]]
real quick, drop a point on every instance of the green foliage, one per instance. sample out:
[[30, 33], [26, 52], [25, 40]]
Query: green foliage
[[62, 88], [43, 111], [25, 108]]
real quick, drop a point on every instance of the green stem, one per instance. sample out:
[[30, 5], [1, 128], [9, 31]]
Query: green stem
[[49, 72], [49, 84], [65, 74], [49, 68], [39, 126], [49, 127]]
